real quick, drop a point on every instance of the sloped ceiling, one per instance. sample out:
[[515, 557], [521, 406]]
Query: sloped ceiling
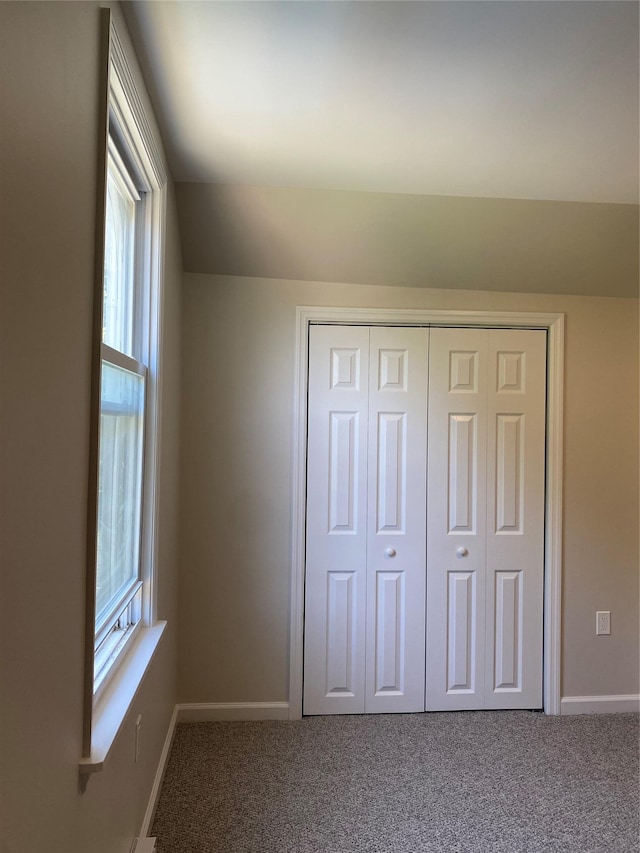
[[507, 99], [503, 100]]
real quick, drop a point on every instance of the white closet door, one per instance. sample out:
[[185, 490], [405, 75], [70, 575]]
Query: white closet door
[[368, 477], [485, 535], [456, 513], [515, 518], [396, 547], [335, 585]]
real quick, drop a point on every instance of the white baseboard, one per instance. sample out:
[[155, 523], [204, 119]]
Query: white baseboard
[[145, 845], [599, 704], [210, 712], [157, 782]]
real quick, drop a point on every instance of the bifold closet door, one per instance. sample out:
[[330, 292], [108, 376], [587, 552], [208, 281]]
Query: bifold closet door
[[396, 520], [457, 513], [516, 431], [366, 520], [485, 531], [336, 558]]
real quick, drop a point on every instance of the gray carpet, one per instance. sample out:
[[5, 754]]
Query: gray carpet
[[492, 781]]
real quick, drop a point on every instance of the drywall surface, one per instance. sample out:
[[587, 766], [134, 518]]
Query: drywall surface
[[237, 428], [405, 240], [49, 57]]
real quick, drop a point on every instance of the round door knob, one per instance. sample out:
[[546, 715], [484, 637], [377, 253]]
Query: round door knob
[[390, 552], [461, 552]]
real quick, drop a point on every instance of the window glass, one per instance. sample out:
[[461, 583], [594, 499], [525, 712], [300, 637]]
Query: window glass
[[118, 299], [119, 486]]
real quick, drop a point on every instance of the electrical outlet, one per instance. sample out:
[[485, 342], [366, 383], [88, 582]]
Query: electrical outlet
[[603, 622], [138, 728]]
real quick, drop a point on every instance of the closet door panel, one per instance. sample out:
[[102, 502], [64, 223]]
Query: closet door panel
[[396, 551], [515, 523], [456, 513], [335, 582]]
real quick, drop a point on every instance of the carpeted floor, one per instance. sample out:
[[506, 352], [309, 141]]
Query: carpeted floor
[[506, 781]]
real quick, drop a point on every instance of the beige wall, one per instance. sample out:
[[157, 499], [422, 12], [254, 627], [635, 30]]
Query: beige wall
[[49, 72], [235, 464], [403, 240], [238, 376]]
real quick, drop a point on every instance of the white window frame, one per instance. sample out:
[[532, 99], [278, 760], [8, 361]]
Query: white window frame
[[127, 137]]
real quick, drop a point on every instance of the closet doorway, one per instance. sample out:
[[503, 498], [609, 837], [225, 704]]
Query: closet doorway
[[403, 609]]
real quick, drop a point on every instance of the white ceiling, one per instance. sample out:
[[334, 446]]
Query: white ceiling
[[533, 100]]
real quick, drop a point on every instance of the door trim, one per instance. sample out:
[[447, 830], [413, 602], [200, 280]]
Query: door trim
[[553, 323]]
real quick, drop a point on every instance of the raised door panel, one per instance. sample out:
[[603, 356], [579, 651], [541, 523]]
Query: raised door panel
[[396, 553], [461, 632], [341, 641], [456, 519], [344, 453], [463, 472], [391, 436], [507, 657], [515, 523], [509, 481], [390, 634], [335, 582]]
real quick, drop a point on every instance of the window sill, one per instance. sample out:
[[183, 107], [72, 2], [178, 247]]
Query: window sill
[[113, 706]]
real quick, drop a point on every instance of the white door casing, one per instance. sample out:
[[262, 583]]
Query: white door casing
[[554, 324]]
